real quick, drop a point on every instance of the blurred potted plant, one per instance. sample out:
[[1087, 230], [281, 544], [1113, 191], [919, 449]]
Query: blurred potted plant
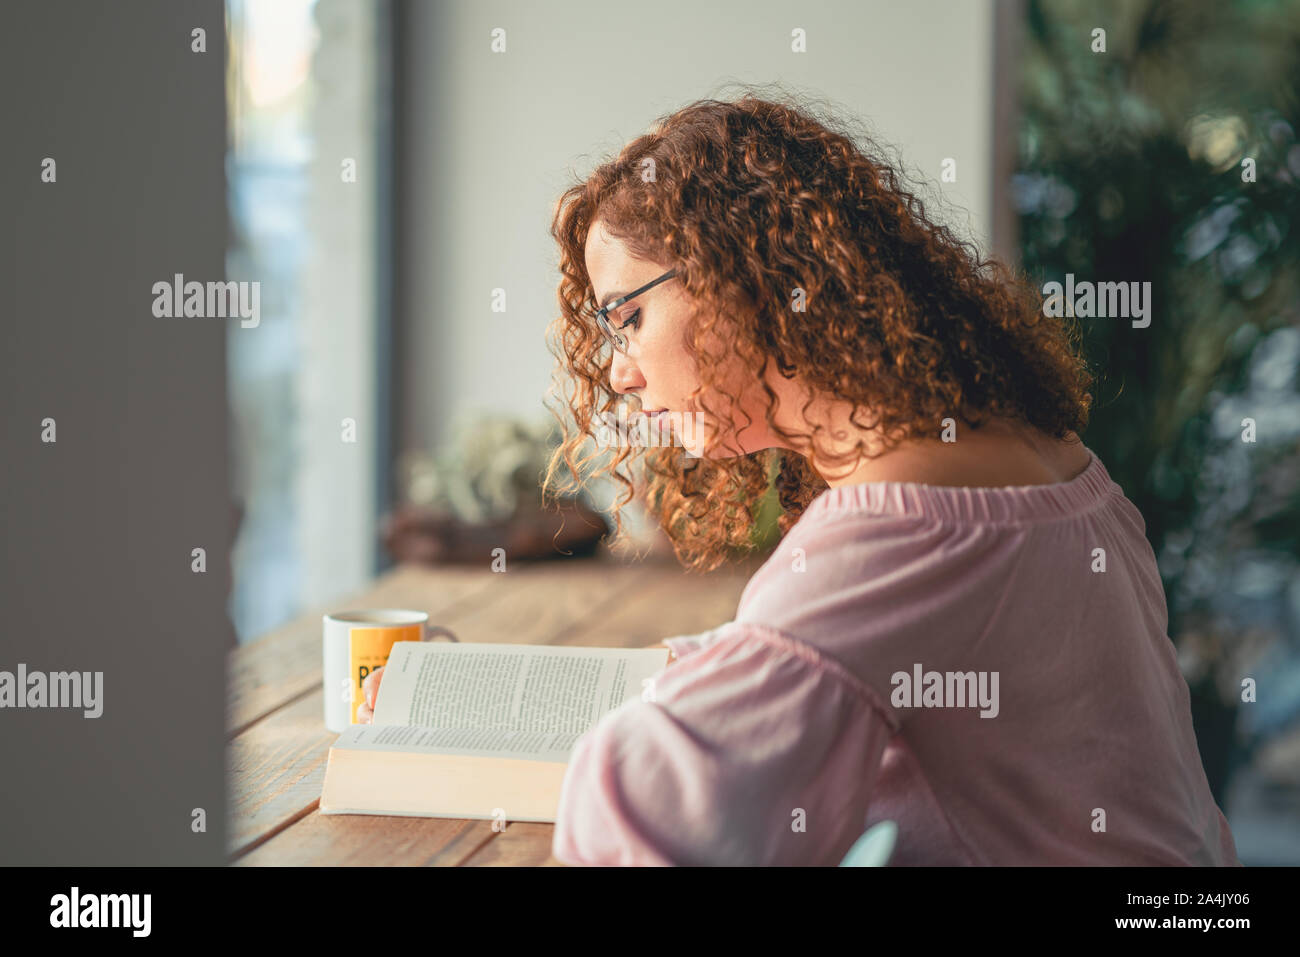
[[484, 493]]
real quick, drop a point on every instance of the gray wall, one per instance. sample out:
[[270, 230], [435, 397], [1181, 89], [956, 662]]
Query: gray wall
[[98, 526], [491, 139]]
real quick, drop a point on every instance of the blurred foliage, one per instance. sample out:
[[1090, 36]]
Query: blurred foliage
[[488, 472], [1131, 169]]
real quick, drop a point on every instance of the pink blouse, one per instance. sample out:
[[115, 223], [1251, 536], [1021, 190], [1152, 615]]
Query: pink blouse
[[987, 667]]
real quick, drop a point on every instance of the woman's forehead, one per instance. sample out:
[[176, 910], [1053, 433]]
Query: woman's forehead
[[604, 251], [610, 269]]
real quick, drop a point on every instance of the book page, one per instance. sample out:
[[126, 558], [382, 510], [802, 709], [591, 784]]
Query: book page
[[538, 689], [470, 742]]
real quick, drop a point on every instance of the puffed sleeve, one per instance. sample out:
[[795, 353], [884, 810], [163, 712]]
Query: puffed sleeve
[[683, 645], [755, 749]]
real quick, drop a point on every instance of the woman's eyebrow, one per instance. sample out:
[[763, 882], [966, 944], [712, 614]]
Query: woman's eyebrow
[[610, 297]]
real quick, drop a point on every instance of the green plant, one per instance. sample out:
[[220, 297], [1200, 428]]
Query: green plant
[[1172, 158]]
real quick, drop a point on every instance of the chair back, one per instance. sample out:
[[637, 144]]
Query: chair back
[[873, 848]]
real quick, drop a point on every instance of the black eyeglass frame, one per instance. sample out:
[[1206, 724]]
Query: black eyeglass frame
[[615, 336]]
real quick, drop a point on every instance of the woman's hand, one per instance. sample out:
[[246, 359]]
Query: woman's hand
[[369, 691]]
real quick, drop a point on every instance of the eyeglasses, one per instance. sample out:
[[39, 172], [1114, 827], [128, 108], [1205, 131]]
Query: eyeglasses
[[612, 333]]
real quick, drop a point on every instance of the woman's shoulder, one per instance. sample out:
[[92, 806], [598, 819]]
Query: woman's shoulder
[[1000, 453], [885, 563], [967, 495], [857, 576]]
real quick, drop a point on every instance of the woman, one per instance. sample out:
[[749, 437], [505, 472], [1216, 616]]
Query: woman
[[963, 628]]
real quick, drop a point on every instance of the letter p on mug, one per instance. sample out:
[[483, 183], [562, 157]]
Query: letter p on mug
[[355, 643]]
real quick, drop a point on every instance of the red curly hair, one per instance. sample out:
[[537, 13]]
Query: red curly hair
[[749, 200]]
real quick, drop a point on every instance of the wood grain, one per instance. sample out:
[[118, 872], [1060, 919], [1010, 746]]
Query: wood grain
[[521, 844], [665, 605], [279, 743], [275, 771], [371, 840], [276, 765], [270, 672]]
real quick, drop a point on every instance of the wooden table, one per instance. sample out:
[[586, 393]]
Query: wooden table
[[278, 742]]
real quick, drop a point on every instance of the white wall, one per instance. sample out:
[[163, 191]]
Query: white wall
[[493, 137]]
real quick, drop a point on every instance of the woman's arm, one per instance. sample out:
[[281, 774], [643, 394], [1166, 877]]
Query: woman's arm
[[755, 750]]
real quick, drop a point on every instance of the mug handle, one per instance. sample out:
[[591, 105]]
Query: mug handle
[[433, 631]]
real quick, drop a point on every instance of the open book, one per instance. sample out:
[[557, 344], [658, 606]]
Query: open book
[[468, 730]]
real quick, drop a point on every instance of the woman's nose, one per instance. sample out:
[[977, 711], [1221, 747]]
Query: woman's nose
[[624, 375]]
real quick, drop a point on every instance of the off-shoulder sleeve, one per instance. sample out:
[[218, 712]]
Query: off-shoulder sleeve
[[755, 749], [683, 645]]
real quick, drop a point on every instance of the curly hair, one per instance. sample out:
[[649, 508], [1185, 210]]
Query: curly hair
[[750, 201]]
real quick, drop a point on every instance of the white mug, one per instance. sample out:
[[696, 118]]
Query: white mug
[[355, 643]]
